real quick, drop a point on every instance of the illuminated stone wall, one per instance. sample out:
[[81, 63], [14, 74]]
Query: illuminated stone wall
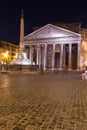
[[83, 57]]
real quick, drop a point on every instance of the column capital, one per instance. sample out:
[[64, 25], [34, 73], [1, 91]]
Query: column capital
[[54, 45], [70, 44], [45, 45], [38, 46], [30, 46], [79, 45]]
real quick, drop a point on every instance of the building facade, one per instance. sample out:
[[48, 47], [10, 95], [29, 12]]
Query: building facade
[[8, 52], [54, 47]]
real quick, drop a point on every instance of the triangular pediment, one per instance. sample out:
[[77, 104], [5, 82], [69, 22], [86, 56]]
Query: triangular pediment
[[51, 31]]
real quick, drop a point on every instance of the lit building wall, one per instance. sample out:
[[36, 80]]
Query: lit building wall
[[83, 57], [8, 51]]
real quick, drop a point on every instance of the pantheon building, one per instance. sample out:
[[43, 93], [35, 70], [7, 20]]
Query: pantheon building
[[55, 47]]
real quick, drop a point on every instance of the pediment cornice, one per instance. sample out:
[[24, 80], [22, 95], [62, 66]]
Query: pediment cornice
[[51, 31], [65, 40]]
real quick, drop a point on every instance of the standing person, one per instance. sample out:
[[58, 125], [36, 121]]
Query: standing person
[[65, 70], [86, 69], [83, 75]]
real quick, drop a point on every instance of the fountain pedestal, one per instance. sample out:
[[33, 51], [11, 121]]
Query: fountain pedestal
[[22, 59]]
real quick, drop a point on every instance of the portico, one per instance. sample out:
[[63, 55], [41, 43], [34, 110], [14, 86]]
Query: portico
[[58, 47]]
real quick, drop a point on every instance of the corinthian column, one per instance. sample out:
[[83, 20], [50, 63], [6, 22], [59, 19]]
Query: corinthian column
[[38, 50], [70, 55], [45, 56], [78, 55], [53, 57], [31, 54], [61, 56]]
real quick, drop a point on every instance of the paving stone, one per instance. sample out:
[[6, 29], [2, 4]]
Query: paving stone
[[43, 102]]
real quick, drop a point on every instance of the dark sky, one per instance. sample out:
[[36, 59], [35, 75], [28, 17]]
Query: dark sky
[[38, 12]]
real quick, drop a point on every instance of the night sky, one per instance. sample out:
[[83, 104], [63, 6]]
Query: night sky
[[38, 13]]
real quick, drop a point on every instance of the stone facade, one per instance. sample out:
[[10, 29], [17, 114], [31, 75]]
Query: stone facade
[[54, 47]]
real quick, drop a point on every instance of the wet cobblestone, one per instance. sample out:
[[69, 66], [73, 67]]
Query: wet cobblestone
[[43, 102]]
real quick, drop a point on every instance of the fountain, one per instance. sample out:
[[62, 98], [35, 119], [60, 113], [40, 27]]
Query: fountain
[[22, 59], [22, 56]]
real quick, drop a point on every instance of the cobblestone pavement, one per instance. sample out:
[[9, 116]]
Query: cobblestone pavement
[[43, 102]]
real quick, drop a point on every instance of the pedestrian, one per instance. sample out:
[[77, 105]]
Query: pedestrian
[[83, 75], [65, 69]]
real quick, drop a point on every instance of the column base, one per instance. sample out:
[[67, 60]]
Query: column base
[[44, 68], [69, 69]]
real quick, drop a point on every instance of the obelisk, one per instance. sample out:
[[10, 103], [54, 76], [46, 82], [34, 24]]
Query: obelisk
[[22, 55], [21, 32]]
